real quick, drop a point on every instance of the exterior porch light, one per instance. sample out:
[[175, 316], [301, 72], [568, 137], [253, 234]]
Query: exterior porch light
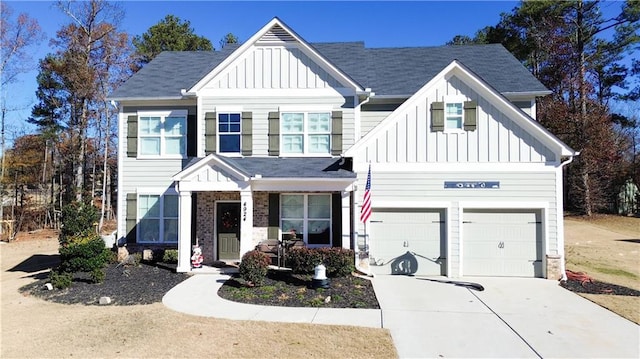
[[320, 277]]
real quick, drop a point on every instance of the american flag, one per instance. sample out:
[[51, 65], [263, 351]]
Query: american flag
[[365, 211]]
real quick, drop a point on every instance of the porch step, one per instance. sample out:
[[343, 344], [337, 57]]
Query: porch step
[[214, 270]]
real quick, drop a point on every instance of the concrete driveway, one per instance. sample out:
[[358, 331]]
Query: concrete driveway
[[511, 318]]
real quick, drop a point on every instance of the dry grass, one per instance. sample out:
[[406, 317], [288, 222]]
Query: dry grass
[[607, 248], [38, 329]]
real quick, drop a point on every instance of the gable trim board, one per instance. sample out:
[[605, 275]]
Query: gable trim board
[[486, 91], [309, 51]]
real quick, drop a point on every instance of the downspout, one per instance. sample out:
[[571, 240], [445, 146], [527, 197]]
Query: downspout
[[561, 221]]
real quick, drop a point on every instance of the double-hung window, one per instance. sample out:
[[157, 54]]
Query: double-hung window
[[157, 218], [306, 132], [309, 215], [453, 115], [162, 134], [229, 132]]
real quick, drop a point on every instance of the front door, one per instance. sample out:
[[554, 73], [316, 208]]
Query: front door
[[228, 230]]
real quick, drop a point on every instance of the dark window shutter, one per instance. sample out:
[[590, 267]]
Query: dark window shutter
[[437, 116], [131, 219], [336, 226], [273, 229], [192, 136], [336, 133], [132, 136], [470, 115], [247, 131], [210, 126], [274, 133]]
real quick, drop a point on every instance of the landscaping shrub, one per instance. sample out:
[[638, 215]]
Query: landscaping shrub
[[83, 253], [170, 256], [338, 261], [302, 260], [78, 219], [98, 275], [254, 267], [60, 280]]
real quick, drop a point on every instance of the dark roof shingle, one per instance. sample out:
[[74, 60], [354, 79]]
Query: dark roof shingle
[[387, 71]]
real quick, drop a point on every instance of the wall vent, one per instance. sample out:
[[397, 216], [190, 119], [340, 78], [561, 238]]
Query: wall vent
[[276, 34]]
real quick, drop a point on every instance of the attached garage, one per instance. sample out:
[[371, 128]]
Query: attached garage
[[408, 241], [504, 242]]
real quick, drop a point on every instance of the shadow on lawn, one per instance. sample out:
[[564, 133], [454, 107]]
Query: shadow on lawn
[[37, 263]]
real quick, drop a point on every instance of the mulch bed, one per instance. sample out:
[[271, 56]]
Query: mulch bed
[[580, 282], [125, 285], [284, 289], [595, 287]]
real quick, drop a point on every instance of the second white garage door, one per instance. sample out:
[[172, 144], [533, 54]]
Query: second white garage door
[[408, 241], [502, 243]]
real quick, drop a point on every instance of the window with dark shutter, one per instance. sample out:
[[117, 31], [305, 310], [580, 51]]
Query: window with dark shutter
[[273, 229], [210, 132], [247, 131], [131, 217], [437, 116], [274, 133], [470, 115], [132, 136], [192, 136], [336, 133]]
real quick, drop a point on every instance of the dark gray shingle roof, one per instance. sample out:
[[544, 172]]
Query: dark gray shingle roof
[[387, 71], [290, 167]]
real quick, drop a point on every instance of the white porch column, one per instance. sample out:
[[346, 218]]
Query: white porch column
[[346, 222], [246, 222], [184, 232]]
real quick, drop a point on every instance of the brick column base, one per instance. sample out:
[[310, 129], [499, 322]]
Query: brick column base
[[554, 266]]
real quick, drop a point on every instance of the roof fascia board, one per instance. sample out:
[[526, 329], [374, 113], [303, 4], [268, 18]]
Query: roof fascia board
[[212, 158], [237, 53], [302, 184], [527, 94], [157, 98]]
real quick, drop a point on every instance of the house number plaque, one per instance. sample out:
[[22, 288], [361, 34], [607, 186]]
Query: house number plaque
[[472, 184], [244, 211]]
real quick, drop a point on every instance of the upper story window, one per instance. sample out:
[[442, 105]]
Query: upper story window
[[305, 132], [453, 116], [229, 132], [162, 134]]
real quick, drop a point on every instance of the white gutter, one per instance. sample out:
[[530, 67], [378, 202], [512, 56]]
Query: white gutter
[[561, 221]]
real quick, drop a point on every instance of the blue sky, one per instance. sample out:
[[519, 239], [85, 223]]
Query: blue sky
[[377, 23]]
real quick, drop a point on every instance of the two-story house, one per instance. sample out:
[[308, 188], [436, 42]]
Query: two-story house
[[227, 149]]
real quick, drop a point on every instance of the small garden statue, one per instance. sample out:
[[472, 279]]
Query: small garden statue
[[196, 258]]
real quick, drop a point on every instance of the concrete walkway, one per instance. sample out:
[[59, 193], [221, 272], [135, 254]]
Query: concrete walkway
[[512, 317]]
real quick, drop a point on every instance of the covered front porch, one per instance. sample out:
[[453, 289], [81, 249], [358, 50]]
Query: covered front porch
[[228, 205]]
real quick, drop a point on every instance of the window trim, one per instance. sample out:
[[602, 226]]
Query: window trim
[[305, 131], [306, 219], [161, 218], [163, 115], [218, 133], [454, 100]]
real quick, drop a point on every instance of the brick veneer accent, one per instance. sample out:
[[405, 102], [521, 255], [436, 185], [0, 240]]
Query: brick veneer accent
[[554, 267], [205, 221]]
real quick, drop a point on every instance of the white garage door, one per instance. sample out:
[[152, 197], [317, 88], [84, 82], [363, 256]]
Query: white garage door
[[502, 243], [408, 241]]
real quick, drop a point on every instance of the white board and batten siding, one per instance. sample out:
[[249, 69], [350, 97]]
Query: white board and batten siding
[[497, 137], [274, 67]]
